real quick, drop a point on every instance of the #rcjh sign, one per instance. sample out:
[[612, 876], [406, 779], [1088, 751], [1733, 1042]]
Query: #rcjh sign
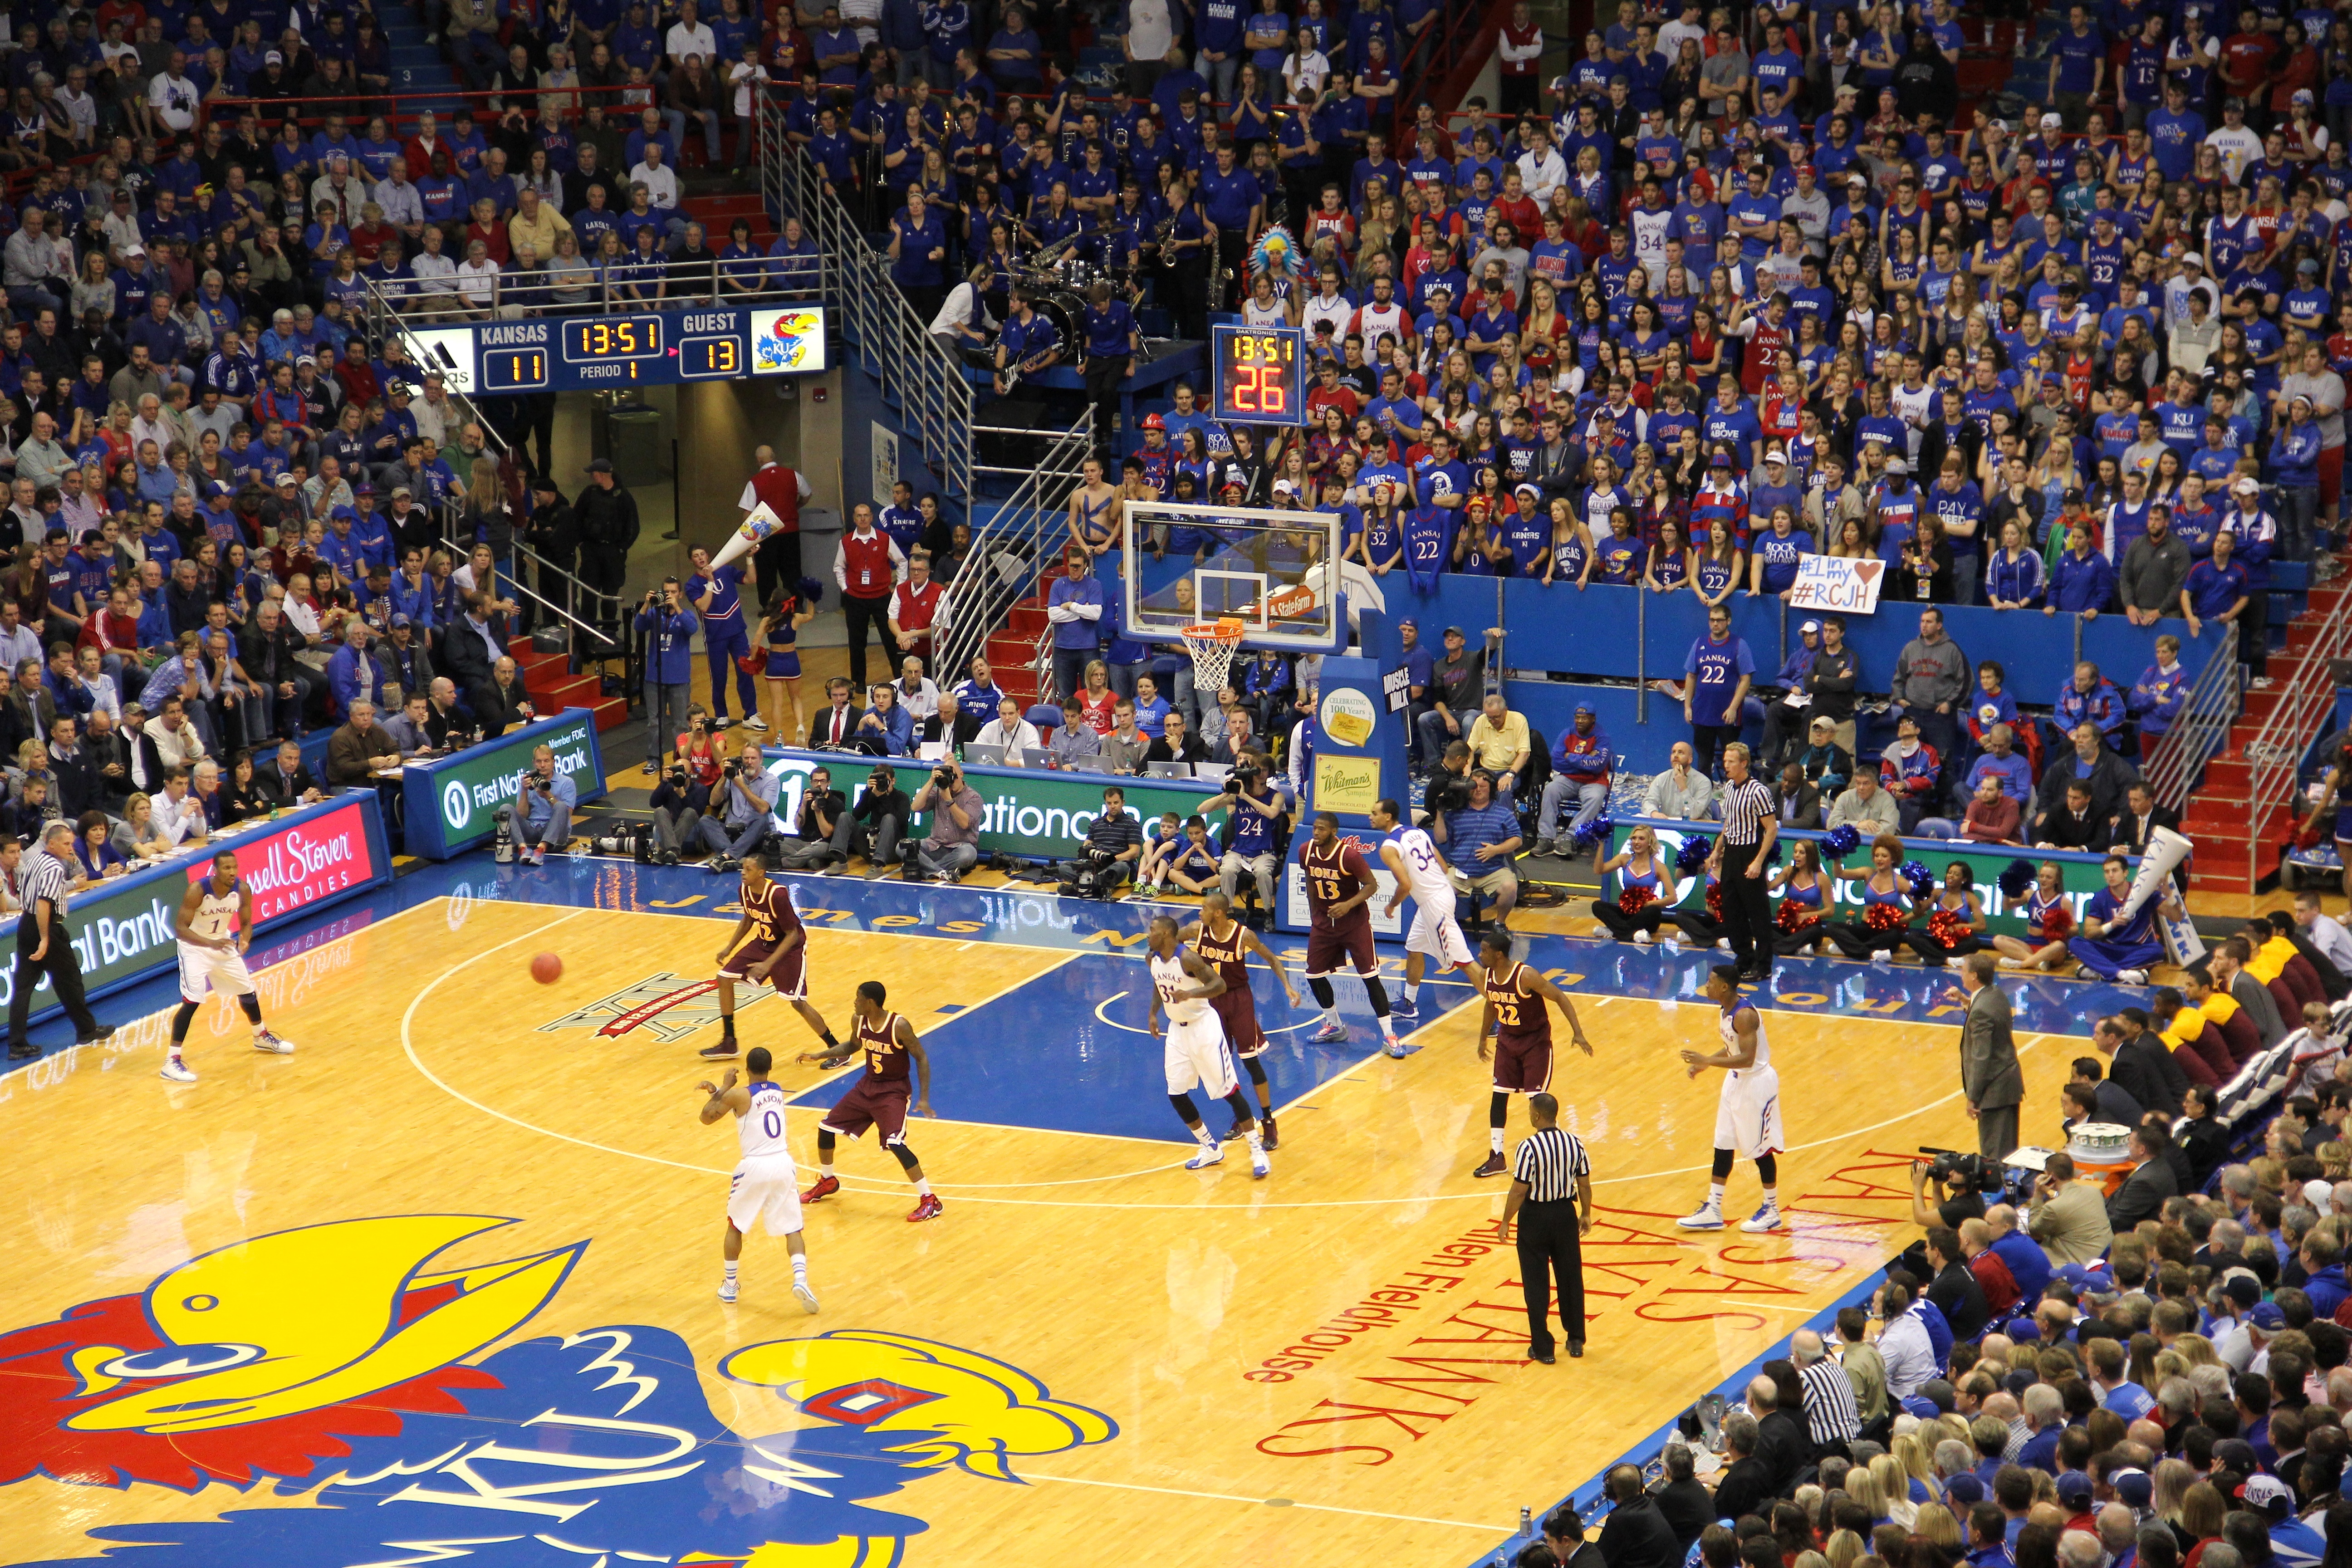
[[1838, 583]]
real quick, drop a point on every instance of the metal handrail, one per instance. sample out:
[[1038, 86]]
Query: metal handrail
[[881, 331], [514, 582], [2306, 698], [514, 295], [1019, 529], [2202, 727]]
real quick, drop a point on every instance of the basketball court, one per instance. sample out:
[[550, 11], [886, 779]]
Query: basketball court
[[440, 1287]]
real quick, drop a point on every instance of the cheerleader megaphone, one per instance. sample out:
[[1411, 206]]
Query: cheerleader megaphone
[[2165, 851], [759, 525]]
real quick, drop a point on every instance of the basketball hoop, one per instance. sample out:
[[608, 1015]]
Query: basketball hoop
[[1211, 646]]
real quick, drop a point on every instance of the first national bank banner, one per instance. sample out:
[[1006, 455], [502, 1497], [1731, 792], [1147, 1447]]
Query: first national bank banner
[[452, 805], [1027, 811]]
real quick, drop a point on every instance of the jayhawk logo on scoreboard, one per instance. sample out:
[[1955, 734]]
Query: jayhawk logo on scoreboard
[[786, 344], [330, 1361]]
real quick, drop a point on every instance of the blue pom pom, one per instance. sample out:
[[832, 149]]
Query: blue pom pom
[[1693, 854], [2016, 878], [1922, 880], [1602, 827], [1842, 841]]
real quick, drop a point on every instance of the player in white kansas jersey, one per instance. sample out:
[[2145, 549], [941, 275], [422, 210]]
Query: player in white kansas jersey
[[1181, 985], [766, 1185], [1420, 870], [216, 928], [1748, 1115]]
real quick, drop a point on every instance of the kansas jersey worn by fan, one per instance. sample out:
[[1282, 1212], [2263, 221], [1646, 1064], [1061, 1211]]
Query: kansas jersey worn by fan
[[1340, 887], [214, 926]]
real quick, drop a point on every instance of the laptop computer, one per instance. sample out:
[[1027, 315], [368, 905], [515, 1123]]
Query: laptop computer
[[1036, 757], [1211, 773], [979, 756], [1096, 764], [1168, 770]]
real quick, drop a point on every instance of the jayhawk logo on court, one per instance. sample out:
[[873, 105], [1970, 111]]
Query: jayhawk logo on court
[[330, 1360]]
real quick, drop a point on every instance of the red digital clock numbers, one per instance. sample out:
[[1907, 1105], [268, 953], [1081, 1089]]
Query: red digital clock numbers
[[1258, 374]]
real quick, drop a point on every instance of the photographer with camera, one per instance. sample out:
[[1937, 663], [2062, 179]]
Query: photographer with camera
[[742, 809], [953, 847], [1253, 824], [542, 813], [1449, 782], [878, 821], [668, 625], [1479, 838], [1113, 847], [1963, 1183], [683, 796], [821, 827]]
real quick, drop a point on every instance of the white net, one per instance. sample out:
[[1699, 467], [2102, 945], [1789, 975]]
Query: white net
[[1185, 567], [1212, 648]]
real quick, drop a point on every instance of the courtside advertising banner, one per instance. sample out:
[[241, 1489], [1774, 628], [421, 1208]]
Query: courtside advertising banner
[[1027, 811], [451, 805], [125, 930]]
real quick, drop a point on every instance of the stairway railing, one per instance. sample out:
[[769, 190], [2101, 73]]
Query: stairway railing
[[880, 330], [2202, 727], [2305, 703], [1011, 547]]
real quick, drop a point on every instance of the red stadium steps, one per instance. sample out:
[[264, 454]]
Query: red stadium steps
[[2238, 839], [553, 688], [717, 214]]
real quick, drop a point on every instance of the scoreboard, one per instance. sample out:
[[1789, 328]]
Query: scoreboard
[[1258, 374], [577, 354]]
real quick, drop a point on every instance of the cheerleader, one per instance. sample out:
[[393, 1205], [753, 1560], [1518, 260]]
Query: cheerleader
[[2049, 922], [1804, 891], [1955, 919], [779, 641], [1706, 929], [1885, 906], [1645, 885]]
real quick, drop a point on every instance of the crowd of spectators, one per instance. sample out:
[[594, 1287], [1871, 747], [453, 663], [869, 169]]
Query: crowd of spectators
[[2058, 1380]]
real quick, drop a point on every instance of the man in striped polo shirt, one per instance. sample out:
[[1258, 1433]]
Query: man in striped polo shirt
[[1551, 1194], [44, 946]]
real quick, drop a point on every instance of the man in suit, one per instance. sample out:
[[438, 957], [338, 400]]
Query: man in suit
[[2134, 824], [108, 747], [1637, 1534], [836, 725], [29, 709], [2105, 773], [77, 781], [266, 649], [1800, 801], [471, 648], [1989, 1075], [501, 702], [2140, 1064], [2151, 1181], [284, 781]]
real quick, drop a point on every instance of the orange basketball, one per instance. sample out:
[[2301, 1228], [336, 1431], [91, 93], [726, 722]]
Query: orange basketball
[[547, 969]]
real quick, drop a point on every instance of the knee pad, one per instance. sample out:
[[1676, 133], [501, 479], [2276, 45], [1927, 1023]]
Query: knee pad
[[905, 1156], [1184, 1107], [1721, 1169], [1498, 1109], [1256, 1073], [1379, 994], [824, 1140], [1768, 1169]]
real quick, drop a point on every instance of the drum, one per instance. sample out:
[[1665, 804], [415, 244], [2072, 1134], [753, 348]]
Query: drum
[[1066, 311]]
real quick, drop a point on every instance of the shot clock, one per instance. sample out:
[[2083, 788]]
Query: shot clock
[[1258, 374]]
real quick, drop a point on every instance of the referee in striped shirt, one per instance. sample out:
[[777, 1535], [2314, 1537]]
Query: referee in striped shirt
[[1551, 1196], [43, 945], [1750, 826]]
